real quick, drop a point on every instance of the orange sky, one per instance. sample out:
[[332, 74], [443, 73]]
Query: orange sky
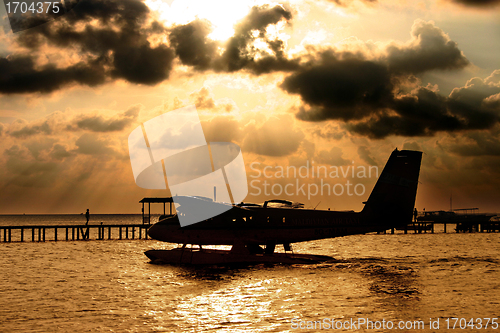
[[325, 83]]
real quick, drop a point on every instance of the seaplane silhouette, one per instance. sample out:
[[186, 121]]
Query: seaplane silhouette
[[254, 230]]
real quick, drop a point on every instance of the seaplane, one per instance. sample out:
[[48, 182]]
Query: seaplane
[[254, 230]]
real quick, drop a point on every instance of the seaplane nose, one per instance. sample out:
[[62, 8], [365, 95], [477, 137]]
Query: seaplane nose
[[155, 231]]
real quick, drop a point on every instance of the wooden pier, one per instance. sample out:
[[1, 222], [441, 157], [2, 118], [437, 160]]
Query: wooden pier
[[420, 227], [42, 233]]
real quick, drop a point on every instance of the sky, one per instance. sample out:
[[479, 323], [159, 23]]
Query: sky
[[313, 85]]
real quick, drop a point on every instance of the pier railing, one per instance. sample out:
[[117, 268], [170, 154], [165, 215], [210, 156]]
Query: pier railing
[[42, 233]]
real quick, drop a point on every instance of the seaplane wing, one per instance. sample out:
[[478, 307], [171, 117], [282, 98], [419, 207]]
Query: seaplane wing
[[390, 205]]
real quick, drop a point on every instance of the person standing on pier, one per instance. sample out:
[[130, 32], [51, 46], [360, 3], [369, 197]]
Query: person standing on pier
[[86, 234]]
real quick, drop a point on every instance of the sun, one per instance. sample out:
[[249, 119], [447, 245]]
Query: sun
[[223, 14]]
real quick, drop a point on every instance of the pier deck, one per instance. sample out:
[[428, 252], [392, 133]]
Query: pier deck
[[42, 233]]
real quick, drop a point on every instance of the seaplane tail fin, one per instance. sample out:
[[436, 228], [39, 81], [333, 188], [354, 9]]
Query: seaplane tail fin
[[392, 200]]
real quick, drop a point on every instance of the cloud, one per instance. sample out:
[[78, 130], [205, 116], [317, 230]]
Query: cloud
[[421, 113], [143, 64], [478, 144], [221, 129], [330, 132], [365, 155], [89, 144], [97, 123], [377, 95], [476, 101], [276, 137], [58, 122], [25, 170], [239, 55], [412, 146], [21, 129], [60, 152], [332, 157], [203, 101]]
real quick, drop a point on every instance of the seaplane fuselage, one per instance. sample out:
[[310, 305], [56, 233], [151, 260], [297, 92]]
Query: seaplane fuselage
[[389, 205]]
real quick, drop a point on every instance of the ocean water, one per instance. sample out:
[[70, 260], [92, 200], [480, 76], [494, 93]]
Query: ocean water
[[110, 286]]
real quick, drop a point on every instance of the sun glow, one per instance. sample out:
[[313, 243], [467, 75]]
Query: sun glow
[[223, 14]]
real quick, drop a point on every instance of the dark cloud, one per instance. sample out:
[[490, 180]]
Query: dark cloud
[[429, 49], [423, 113], [239, 54], [116, 48], [492, 102], [475, 102], [194, 48], [192, 45], [114, 41], [470, 3], [346, 86], [340, 87], [478, 3], [19, 74], [143, 64], [380, 96], [347, 3]]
